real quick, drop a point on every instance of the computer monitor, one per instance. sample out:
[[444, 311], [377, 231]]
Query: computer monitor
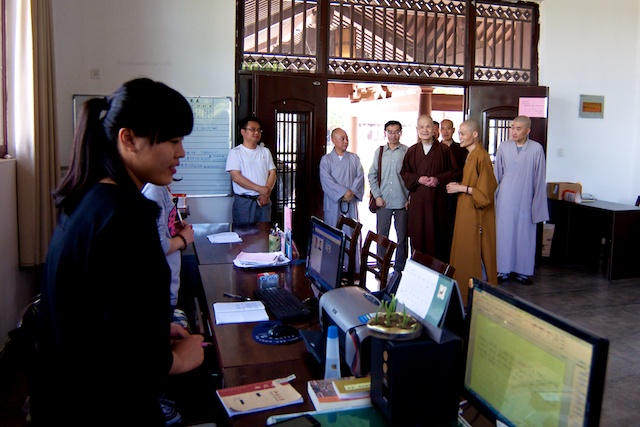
[[325, 255], [528, 366]]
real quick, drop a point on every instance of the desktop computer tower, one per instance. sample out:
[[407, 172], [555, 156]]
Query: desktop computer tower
[[418, 382]]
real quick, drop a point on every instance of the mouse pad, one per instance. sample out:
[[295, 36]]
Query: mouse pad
[[260, 334]]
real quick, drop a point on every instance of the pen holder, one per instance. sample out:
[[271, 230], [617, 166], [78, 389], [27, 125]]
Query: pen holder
[[274, 243]]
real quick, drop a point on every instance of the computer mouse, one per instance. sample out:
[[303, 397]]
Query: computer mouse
[[281, 331]]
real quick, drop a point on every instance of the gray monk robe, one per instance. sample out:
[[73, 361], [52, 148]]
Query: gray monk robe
[[429, 227], [336, 177]]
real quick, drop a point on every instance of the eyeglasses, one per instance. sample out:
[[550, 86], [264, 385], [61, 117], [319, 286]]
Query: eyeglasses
[[393, 132], [253, 129]]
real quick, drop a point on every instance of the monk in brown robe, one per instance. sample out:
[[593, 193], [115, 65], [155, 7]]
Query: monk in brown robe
[[427, 168], [473, 251]]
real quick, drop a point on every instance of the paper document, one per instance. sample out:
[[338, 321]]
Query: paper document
[[239, 312], [226, 237], [260, 259]]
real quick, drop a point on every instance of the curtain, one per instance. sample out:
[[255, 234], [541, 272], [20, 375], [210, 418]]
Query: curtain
[[33, 128]]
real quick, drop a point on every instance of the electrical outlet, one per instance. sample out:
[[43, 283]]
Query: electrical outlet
[[94, 73]]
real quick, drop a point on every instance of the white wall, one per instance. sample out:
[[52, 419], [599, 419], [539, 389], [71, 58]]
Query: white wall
[[592, 47], [189, 45]]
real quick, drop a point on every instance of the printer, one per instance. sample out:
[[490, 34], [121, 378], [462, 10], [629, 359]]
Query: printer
[[349, 308]]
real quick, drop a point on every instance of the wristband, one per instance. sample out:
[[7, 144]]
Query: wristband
[[183, 241], [467, 189]]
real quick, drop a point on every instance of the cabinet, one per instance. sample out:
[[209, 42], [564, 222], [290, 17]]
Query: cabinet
[[591, 232]]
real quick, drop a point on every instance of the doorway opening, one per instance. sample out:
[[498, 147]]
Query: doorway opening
[[362, 109]]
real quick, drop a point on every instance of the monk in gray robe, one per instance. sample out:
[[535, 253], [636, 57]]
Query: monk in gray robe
[[521, 201], [342, 180]]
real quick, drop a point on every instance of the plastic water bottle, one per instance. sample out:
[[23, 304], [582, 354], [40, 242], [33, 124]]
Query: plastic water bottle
[[332, 358]]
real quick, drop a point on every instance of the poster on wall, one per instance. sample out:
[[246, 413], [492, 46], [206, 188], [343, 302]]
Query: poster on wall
[[533, 107], [591, 107]]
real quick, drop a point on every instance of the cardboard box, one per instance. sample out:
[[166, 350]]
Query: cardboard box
[[547, 238], [569, 191]]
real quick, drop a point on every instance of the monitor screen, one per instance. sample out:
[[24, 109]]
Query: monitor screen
[[526, 366], [325, 255]]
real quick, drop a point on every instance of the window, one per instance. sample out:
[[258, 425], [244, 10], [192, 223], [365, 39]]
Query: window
[[404, 40]]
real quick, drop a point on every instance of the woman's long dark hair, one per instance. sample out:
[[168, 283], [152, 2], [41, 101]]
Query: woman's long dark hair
[[150, 109]]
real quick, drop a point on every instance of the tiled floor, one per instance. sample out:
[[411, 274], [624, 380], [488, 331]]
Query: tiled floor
[[581, 294], [608, 308]]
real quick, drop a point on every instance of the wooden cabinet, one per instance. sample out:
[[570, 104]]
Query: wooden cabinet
[[597, 232]]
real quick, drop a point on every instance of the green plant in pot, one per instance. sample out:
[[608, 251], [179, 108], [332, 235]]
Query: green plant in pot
[[388, 323]]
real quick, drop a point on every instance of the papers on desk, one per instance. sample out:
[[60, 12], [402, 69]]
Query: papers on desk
[[225, 237], [239, 312], [260, 396], [260, 259]]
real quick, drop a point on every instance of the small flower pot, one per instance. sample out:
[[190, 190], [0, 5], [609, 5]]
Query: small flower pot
[[395, 330]]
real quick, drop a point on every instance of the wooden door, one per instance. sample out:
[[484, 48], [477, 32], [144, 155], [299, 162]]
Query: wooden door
[[495, 106], [294, 114]]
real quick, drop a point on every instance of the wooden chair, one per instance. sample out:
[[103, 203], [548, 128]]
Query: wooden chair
[[352, 247], [371, 262], [433, 263]]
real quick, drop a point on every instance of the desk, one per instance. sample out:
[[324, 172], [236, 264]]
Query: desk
[[586, 231], [241, 359], [236, 346], [254, 239]]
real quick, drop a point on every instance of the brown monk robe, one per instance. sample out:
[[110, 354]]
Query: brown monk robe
[[426, 176], [473, 252]]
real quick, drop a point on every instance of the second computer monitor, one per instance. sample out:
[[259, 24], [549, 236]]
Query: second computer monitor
[[528, 366], [325, 255]]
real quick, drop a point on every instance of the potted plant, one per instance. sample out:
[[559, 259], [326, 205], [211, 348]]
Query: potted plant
[[391, 324]]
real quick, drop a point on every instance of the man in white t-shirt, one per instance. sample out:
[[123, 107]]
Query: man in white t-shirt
[[253, 172]]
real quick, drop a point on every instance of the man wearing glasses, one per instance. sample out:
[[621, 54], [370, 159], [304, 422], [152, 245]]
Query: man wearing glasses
[[391, 195], [253, 173]]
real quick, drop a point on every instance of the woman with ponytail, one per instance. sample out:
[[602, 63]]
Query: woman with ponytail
[[106, 344]]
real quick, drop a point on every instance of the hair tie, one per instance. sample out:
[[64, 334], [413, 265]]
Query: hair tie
[[104, 107]]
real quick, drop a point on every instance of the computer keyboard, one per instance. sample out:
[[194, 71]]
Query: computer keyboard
[[282, 304]]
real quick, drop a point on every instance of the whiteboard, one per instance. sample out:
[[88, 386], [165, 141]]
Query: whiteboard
[[202, 171]]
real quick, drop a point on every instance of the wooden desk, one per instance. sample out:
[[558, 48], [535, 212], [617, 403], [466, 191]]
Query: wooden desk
[[585, 232], [241, 359], [254, 239], [236, 346]]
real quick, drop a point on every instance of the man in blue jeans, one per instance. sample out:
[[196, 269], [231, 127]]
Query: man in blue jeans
[[391, 195]]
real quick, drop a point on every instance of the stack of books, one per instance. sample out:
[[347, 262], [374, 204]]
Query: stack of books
[[347, 392]]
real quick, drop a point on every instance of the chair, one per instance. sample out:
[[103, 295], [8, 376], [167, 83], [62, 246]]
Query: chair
[[433, 263], [380, 265], [352, 247]]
